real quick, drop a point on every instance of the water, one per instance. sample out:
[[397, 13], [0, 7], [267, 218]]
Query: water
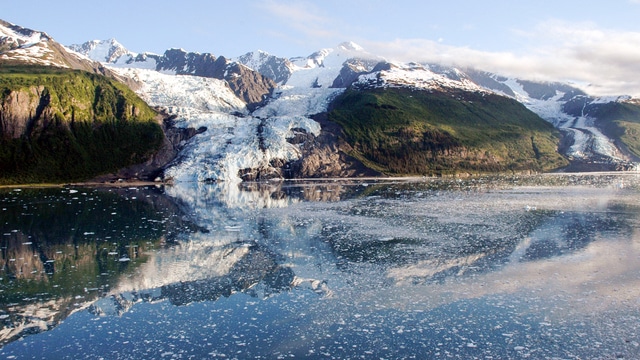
[[504, 267]]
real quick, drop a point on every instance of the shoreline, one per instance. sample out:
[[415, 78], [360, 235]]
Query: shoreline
[[136, 183]]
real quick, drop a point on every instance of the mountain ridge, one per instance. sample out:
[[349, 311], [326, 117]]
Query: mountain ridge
[[277, 129]]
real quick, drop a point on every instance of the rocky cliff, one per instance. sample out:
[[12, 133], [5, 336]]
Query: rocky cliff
[[62, 125]]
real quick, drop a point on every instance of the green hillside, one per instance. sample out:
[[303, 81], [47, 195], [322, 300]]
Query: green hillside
[[408, 132], [61, 125], [620, 121]]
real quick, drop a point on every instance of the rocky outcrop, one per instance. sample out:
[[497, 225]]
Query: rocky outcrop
[[325, 156], [322, 156], [275, 68], [249, 85], [352, 69], [183, 62], [18, 109]]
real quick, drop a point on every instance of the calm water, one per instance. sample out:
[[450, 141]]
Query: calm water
[[493, 268]]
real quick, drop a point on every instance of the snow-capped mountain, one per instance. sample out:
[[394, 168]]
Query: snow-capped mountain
[[275, 68], [108, 51], [248, 84], [20, 45], [247, 147], [572, 111], [238, 144], [261, 112], [415, 76]]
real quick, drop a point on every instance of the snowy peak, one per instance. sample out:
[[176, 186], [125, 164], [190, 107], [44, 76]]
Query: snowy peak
[[113, 53], [329, 60], [351, 46], [416, 76], [21, 46], [275, 68], [107, 51], [334, 56], [14, 37], [18, 44]]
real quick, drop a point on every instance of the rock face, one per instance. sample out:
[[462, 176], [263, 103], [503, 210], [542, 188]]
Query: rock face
[[325, 156], [275, 68], [19, 108], [322, 156], [353, 68], [69, 125], [249, 85]]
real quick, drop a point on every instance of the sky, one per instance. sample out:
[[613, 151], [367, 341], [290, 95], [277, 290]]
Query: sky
[[593, 44]]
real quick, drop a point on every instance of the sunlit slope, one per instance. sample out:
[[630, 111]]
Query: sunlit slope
[[402, 131], [62, 125], [621, 122]]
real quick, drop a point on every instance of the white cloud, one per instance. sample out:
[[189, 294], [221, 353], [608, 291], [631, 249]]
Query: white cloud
[[608, 60], [304, 18]]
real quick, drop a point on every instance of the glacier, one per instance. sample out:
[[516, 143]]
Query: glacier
[[234, 140], [238, 142]]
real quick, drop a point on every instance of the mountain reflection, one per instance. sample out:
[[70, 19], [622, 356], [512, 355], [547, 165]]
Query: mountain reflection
[[253, 266], [61, 248], [105, 250]]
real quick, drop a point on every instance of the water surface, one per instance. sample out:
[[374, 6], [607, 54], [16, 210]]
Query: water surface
[[510, 267]]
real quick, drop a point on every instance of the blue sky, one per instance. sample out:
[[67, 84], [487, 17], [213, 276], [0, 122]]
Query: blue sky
[[588, 42]]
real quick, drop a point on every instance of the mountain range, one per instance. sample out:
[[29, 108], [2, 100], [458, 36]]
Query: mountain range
[[338, 112]]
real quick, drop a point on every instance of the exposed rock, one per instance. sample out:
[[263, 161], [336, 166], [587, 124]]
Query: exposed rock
[[350, 71], [184, 63], [260, 174], [325, 156], [275, 68], [247, 84], [490, 81], [17, 110]]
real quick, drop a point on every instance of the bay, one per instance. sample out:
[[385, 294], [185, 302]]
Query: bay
[[544, 266]]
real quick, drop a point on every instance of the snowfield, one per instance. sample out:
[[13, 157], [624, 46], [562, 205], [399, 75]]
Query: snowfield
[[233, 139], [416, 76], [184, 92]]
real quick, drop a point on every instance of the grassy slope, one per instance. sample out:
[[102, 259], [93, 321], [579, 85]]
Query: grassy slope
[[621, 121], [91, 125], [402, 131]]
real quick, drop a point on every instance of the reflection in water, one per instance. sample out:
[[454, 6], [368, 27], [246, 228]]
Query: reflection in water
[[512, 267], [62, 248]]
